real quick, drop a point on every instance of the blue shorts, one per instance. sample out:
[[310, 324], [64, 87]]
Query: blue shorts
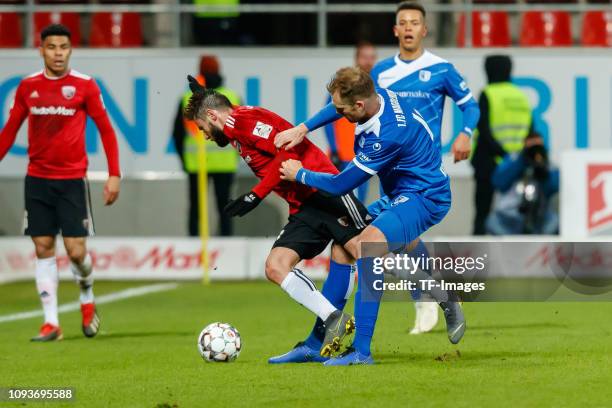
[[408, 216]]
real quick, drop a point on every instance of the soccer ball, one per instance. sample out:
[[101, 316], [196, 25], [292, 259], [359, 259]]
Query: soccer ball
[[219, 342]]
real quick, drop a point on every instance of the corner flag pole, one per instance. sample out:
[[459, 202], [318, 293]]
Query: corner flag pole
[[203, 205]]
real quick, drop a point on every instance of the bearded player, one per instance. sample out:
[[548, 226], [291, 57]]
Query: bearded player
[[57, 101], [315, 219]]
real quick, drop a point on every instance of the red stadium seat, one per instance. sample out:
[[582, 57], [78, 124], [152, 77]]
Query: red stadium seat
[[545, 29], [597, 29], [11, 35], [116, 30], [489, 29], [71, 20]]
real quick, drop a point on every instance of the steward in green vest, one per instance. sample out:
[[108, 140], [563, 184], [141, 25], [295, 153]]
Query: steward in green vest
[[505, 122], [221, 164], [216, 27], [218, 160]]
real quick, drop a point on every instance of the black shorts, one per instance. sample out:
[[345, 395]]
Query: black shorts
[[53, 205], [321, 219]]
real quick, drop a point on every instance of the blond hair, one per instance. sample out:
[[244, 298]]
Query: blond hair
[[352, 84]]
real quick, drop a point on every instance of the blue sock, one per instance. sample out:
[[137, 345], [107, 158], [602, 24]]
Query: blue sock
[[419, 251], [367, 303], [337, 288]]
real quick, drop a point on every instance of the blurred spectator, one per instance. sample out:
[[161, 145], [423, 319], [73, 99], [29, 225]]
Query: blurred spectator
[[221, 163], [216, 27], [524, 183], [505, 121], [341, 133]]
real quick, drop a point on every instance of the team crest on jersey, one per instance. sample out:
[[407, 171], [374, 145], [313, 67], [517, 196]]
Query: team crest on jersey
[[361, 142], [68, 91], [424, 75], [399, 200], [262, 130]]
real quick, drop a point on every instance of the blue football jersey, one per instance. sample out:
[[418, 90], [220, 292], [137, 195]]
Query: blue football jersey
[[424, 81], [398, 145]]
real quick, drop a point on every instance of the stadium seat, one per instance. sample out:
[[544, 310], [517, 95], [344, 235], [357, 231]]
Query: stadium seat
[[545, 29], [11, 35], [116, 30], [597, 29], [70, 20], [489, 29]]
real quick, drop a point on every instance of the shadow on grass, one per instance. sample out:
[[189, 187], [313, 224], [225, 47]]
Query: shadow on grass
[[487, 327], [133, 335], [455, 356]]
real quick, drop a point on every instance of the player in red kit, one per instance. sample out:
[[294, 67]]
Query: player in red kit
[[56, 102], [315, 219]]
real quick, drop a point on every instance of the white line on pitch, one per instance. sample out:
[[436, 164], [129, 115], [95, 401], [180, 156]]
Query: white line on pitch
[[111, 297]]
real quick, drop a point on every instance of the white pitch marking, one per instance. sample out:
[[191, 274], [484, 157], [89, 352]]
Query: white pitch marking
[[100, 300]]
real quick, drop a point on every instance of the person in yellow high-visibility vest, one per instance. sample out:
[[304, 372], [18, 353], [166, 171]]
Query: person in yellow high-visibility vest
[[505, 122], [216, 27], [221, 164]]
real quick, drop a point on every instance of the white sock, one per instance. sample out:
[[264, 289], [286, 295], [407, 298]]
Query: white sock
[[46, 284], [303, 290], [84, 278]]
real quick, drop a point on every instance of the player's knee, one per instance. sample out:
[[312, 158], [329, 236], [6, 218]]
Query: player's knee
[[45, 248], [76, 253], [341, 255], [275, 272]]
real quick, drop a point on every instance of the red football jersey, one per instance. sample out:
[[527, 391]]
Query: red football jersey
[[57, 109], [251, 131]]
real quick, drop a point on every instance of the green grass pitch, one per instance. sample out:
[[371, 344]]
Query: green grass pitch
[[513, 354]]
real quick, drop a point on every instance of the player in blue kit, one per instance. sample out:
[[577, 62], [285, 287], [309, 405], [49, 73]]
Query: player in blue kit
[[394, 141], [424, 79]]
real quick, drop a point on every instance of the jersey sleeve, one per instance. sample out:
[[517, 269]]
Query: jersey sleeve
[[376, 154], [456, 87], [17, 114], [94, 106]]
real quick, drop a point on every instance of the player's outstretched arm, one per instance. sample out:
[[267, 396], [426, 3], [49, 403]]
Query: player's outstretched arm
[[294, 136], [248, 201], [334, 184]]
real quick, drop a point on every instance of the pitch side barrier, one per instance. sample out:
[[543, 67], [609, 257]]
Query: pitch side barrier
[[514, 268]]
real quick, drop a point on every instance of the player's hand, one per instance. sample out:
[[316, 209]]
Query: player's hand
[[111, 190], [289, 169], [461, 147], [194, 85], [242, 205], [291, 137]]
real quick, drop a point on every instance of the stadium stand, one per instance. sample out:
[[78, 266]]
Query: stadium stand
[[597, 29], [70, 20], [546, 29], [11, 29], [489, 29], [116, 30]]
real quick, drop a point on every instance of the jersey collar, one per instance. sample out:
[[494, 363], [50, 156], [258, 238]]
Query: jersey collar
[[398, 60], [44, 72], [373, 124]]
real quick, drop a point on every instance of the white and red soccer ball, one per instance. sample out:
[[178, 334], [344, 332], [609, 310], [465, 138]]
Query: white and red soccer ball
[[219, 342]]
